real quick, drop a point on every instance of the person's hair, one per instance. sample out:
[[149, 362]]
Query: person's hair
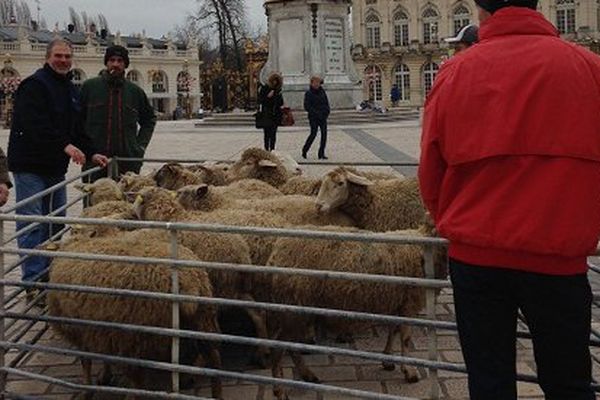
[[275, 81], [316, 78], [56, 42]]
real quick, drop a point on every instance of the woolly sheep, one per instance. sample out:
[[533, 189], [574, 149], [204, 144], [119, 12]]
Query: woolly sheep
[[304, 185], [173, 176], [288, 162], [211, 175], [377, 206], [128, 310], [309, 186], [259, 164], [360, 296], [296, 209], [157, 204], [104, 189], [132, 182], [113, 210]]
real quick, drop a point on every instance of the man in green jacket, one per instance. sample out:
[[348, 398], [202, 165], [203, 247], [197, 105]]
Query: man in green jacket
[[113, 108]]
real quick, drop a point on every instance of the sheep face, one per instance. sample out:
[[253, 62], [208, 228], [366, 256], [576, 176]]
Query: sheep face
[[191, 197], [156, 204], [167, 176], [335, 188], [251, 167], [104, 189]]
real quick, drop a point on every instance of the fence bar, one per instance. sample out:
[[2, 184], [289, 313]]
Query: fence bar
[[2, 307], [431, 314], [51, 189], [349, 163], [175, 309], [52, 214], [247, 268], [211, 373], [244, 230], [101, 389], [23, 353]]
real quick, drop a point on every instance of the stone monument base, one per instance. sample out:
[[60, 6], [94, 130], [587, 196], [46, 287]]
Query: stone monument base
[[340, 95]]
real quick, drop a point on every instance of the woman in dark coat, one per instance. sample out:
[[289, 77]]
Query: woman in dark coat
[[271, 101]]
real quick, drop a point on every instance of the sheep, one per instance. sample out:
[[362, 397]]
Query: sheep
[[360, 296], [211, 175], [296, 209], [173, 176], [106, 208], [132, 182], [206, 198], [259, 164], [304, 185], [377, 206], [288, 162], [309, 186], [113, 210], [104, 189], [129, 310], [157, 204]]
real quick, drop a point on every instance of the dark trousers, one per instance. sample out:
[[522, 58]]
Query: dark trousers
[[316, 124], [270, 137], [558, 312]]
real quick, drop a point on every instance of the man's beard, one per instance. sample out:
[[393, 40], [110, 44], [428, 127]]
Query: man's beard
[[116, 77]]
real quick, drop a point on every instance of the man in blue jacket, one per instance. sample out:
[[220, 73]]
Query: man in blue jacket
[[317, 106], [46, 133]]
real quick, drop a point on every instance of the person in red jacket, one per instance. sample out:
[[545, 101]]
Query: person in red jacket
[[510, 172]]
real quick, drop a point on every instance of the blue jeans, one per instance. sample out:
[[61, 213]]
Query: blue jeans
[[27, 185]]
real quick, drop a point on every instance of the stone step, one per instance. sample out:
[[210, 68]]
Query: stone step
[[344, 117]]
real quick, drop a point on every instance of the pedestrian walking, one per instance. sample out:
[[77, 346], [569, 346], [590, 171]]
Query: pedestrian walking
[[395, 95], [317, 106], [509, 170], [113, 108], [271, 102], [46, 133]]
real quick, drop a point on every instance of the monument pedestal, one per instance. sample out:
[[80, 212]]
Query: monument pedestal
[[312, 38]]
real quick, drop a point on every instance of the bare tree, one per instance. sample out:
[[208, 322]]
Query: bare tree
[[224, 20]]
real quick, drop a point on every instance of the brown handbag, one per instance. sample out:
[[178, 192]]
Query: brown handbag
[[287, 119]]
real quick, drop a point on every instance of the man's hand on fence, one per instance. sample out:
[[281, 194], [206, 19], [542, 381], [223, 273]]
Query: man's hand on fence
[[100, 159], [3, 194], [76, 155]]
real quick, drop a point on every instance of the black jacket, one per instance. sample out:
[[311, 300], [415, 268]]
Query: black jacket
[[271, 106], [46, 118], [316, 103]]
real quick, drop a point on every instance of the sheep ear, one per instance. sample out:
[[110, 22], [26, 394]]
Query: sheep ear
[[267, 164], [83, 187], [201, 190], [358, 180]]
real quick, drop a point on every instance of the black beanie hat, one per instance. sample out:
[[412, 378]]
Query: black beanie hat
[[492, 6], [118, 51]]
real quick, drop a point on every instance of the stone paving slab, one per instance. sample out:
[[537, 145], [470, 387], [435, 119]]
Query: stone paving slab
[[182, 140]]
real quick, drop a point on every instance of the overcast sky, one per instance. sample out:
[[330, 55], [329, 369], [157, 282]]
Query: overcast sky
[[157, 17]]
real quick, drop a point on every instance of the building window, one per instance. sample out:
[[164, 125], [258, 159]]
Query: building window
[[159, 82], [400, 29], [373, 31], [134, 77], [430, 25], [565, 16], [402, 80], [429, 73], [373, 81], [462, 18], [78, 78]]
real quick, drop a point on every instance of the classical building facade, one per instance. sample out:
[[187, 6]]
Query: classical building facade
[[167, 71], [401, 41]]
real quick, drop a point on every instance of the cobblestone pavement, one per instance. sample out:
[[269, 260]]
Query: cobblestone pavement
[[387, 142]]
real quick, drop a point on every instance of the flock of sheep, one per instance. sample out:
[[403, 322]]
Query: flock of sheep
[[260, 189]]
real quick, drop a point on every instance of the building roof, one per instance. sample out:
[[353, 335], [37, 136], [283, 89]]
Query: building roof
[[10, 33]]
